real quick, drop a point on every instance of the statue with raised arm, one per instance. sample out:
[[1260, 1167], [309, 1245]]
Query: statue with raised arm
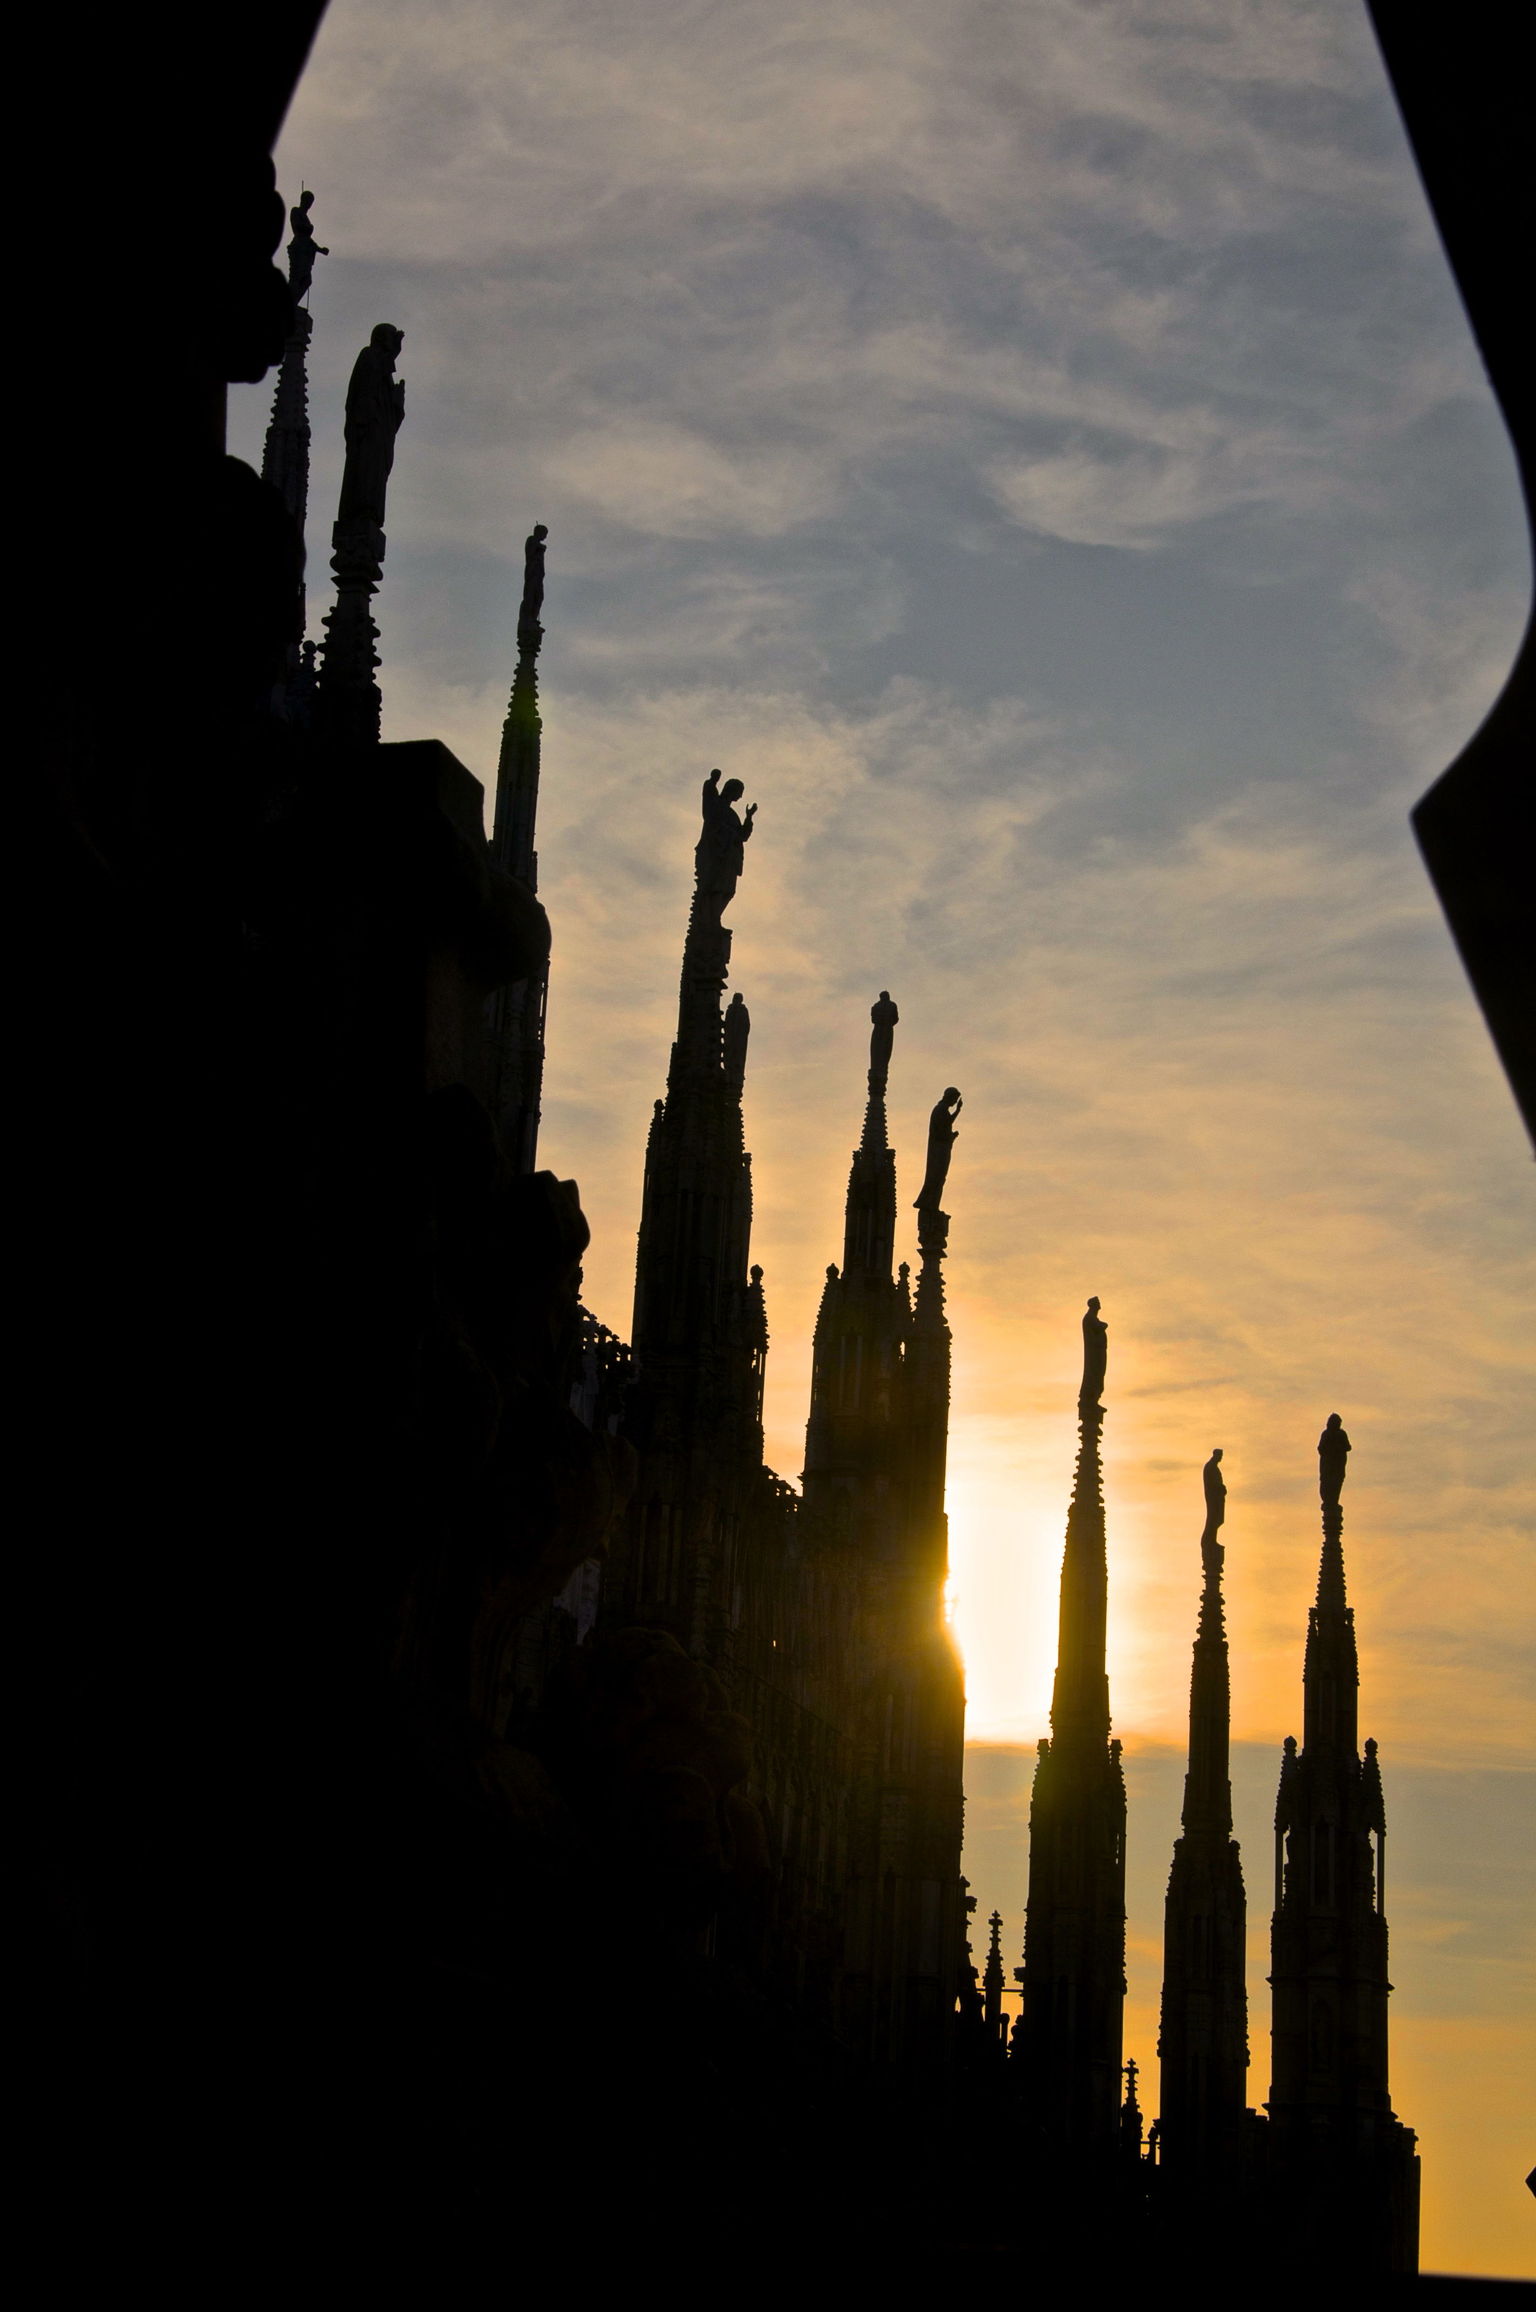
[[1095, 1359], [1332, 1454], [882, 1038], [941, 1146], [723, 838], [303, 249], [375, 408], [1215, 1491]]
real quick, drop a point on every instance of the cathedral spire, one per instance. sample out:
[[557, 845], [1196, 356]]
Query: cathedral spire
[[518, 1011], [1203, 2042], [992, 1981], [1070, 2034], [285, 450], [696, 1217], [1332, 1670], [700, 1328], [1342, 2160], [1207, 1785], [864, 1319], [1080, 1698]]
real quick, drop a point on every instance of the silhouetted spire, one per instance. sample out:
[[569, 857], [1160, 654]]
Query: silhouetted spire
[[519, 1011], [1207, 1784], [1069, 2038], [285, 451], [864, 1319], [1203, 2041], [992, 1981], [1130, 2114], [694, 1330], [517, 768], [1332, 1672], [1342, 2160], [1080, 1697]]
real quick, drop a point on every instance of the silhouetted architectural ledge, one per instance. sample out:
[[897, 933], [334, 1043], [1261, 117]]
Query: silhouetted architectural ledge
[[480, 926]]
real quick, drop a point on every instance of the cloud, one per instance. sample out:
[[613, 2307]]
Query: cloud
[[1089, 499]]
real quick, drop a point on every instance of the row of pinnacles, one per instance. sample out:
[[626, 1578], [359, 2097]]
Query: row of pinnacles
[[1327, 2160], [747, 1701]]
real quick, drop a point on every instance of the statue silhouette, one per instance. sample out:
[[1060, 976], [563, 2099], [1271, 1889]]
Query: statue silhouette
[[375, 408], [718, 855], [1095, 1358], [303, 249], [533, 575], [883, 1018], [1332, 1454], [941, 1146]]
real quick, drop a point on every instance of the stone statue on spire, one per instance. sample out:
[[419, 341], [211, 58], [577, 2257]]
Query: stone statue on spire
[[882, 1037], [533, 582], [303, 249], [1215, 1491], [1095, 1360], [723, 838], [375, 409], [941, 1146], [1332, 1454]]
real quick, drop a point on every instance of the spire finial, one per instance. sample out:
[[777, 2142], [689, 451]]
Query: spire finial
[[883, 1016], [1080, 1698], [1333, 1450], [1095, 1359]]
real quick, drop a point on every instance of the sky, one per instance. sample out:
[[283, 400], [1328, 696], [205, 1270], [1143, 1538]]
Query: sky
[[1038, 449]]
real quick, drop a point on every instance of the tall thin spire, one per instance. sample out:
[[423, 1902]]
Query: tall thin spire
[[930, 1346], [1342, 2161], [862, 1326], [1207, 1784], [285, 450], [1069, 2040], [1080, 1696], [1332, 1670], [519, 1011], [992, 1981], [874, 1512], [1203, 2043], [700, 1331]]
